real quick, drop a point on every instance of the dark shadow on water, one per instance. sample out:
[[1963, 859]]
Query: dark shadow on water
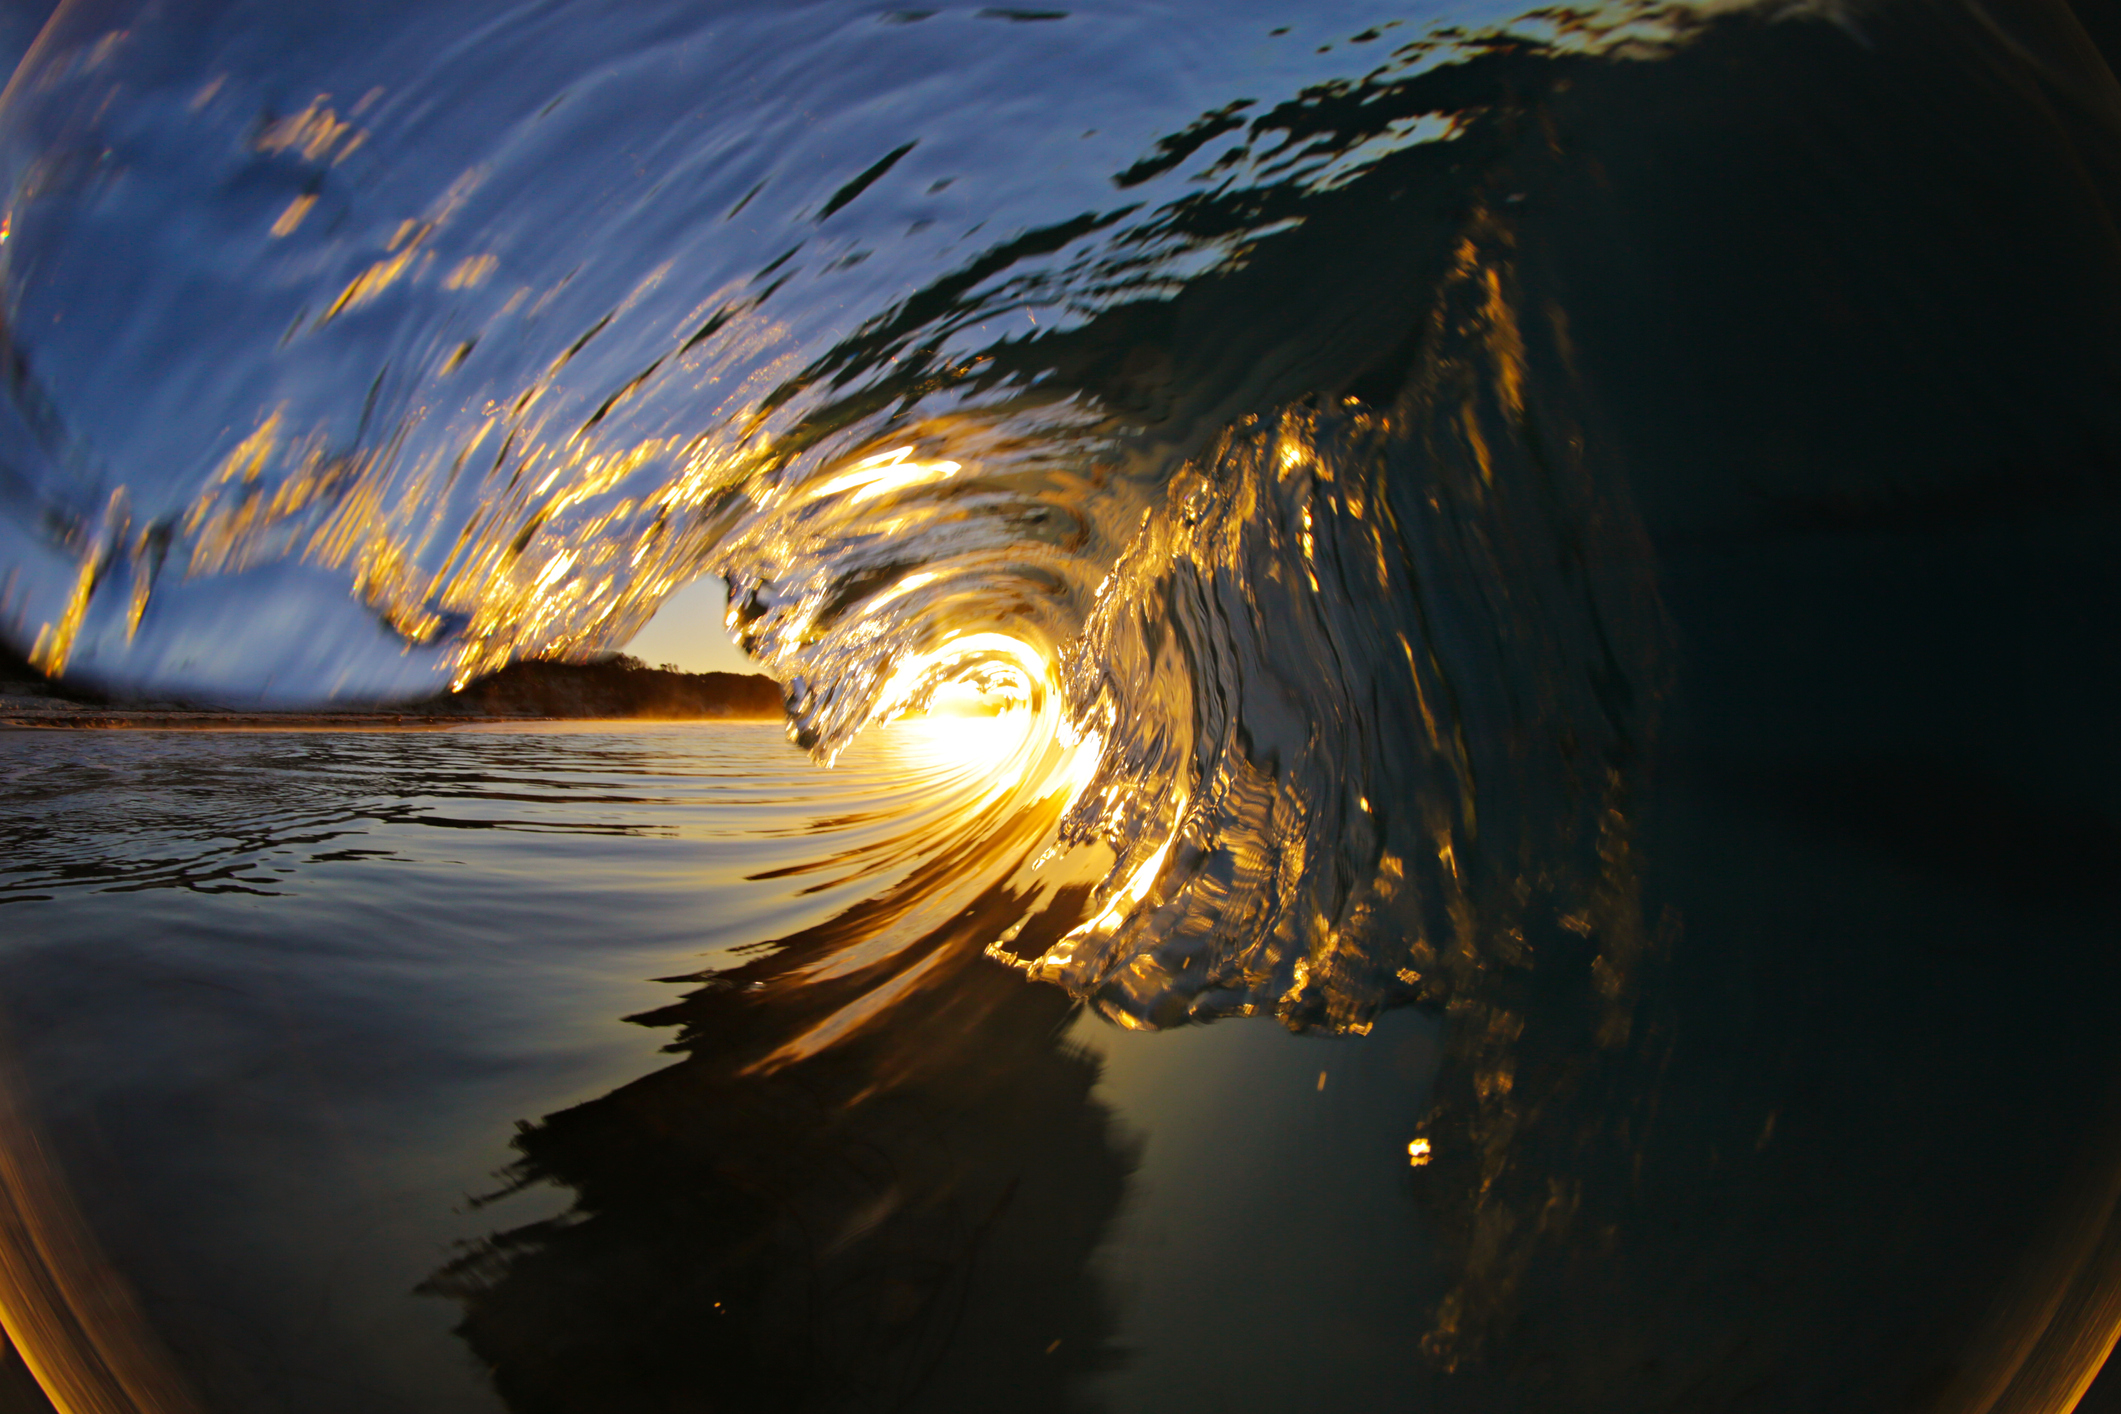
[[900, 1220]]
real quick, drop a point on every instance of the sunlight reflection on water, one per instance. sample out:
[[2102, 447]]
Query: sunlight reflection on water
[[315, 1024]]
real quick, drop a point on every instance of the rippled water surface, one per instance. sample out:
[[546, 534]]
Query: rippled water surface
[[277, 1003]]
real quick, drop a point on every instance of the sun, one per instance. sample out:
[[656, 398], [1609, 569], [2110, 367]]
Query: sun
[[979, 702]]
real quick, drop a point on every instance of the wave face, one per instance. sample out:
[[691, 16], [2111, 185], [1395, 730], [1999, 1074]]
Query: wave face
[[1203, 391]]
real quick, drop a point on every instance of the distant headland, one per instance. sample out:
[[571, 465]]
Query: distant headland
[[614, 687]]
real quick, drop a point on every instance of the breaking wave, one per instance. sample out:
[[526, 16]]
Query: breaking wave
[[1202, 389]]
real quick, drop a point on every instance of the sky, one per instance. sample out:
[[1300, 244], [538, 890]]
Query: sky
[[19, 22], [688, 631]]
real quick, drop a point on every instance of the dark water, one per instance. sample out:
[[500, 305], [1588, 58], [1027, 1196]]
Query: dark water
[[1567, 558], [278, 1003]]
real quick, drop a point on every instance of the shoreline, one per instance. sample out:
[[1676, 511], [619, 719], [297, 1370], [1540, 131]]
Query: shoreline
[[79, 717], [604, 690]]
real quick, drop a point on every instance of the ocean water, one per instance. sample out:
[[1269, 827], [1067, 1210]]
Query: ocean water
[[483, 1069], [286, 1011], [1567, 557]]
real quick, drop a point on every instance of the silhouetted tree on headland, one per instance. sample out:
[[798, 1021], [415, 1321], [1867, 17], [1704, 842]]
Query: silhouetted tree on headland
[[618, 686]]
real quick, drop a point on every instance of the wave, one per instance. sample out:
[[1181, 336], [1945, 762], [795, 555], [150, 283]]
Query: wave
[[1253, 465], [1214, 397], [340, 394]]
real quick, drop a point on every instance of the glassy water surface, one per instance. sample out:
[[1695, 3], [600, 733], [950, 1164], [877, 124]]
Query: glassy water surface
[[278, 1003]]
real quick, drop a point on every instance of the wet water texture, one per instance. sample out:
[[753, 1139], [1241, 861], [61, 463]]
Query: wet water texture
[[1449, 678], [342, 1088]]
